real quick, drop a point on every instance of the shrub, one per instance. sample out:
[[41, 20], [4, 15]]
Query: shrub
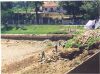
[[69, 43], [92, 40], [72, 42]]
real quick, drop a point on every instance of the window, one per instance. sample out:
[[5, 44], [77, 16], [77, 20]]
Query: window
[[45, 9], [51, 9]]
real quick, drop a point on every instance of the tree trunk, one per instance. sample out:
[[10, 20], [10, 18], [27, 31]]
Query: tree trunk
[[6, 25], [37, 15], [74, 16]]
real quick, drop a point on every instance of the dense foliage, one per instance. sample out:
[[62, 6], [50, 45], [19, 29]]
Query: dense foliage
[[8, 10], [89, 9]]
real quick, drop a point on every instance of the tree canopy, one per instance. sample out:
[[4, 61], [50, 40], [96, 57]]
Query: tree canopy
[[89, 9]]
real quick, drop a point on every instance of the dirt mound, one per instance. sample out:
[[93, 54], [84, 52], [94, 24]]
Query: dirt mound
[[87, 35]]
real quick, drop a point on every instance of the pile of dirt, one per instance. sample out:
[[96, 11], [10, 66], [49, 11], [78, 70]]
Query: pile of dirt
[[83, 39]]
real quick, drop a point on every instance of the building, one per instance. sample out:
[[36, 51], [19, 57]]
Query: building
[[51, 6], [51, 13]]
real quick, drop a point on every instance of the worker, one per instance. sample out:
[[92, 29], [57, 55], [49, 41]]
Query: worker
[[56, 48], [59, 43], [42, 55], [64, 45]]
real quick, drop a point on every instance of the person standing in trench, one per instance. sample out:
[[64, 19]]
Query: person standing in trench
[[42, 56]]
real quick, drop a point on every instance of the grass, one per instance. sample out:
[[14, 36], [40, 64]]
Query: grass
[[42, 29], [72, 42]]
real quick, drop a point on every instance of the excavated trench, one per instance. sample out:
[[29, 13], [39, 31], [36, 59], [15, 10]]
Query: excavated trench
[[60, 63]]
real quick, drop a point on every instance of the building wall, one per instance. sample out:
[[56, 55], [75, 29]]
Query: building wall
[[53, 9], [49, 9]]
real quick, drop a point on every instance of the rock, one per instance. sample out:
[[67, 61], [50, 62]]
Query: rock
[[8, 40], [95, 45], [90, 52]]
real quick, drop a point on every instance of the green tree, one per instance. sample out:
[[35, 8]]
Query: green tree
[[72, 7], [6, 12], [29, 5], [37, 6], [91, 9]]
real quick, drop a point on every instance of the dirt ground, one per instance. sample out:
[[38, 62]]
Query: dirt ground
[[22, 57], [14, 50]]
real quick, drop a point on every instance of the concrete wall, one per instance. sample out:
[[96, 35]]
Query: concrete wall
[[91, 66]]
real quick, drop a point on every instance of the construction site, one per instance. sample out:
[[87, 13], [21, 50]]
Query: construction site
[[50, 56], [50, 37]]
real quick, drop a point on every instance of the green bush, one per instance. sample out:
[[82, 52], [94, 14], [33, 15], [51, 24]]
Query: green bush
[[92, 40], [69, 43], [72, 42]]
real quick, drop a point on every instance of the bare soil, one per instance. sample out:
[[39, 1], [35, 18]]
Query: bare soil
[[23, 57], [14, 50]]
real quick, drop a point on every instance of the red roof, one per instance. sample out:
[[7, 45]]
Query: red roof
[[50, 4]]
